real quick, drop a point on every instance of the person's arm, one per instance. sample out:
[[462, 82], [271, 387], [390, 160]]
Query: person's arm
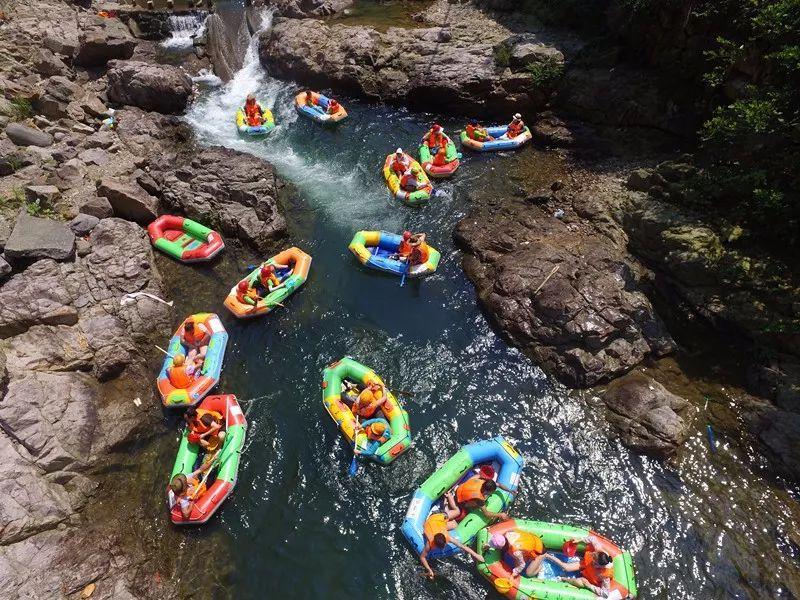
[[519, 561], [493, 515], [467, 549], [570, 567], [423, 558]]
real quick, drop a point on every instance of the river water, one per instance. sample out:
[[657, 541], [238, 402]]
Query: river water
[[298, 527]]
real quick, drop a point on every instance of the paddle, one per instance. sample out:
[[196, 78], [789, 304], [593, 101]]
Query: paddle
[[353, 469], [164, 351], [405, 271]]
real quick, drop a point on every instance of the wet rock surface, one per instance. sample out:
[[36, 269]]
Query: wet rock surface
[[233, 192]]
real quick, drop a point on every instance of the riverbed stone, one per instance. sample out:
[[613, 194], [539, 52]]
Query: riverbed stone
[[23, 135], [98, 207], [129, 200], [83, 224], [160, 88], [103, 40], [34, 238], [46, 194]]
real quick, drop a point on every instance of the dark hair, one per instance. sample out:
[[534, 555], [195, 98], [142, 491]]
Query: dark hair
[[189, 325], [190, 413], [178, 483], [603, 559], [206, 419], [488, 486], [440, 540]]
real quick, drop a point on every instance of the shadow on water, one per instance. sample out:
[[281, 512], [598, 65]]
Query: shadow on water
[[298, 526]]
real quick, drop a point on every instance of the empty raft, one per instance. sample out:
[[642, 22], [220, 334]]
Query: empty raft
[[183, 239]]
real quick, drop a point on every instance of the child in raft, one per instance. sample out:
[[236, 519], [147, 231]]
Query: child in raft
[[202, 423], [195, 339], [472, 494], [435, 138], [245, 294], [400, 162], [475, 131], [525, 549], [595, 568], [181, 375], [369, 400], [411, 181], [435, 535], [184, 490], [333, 107]]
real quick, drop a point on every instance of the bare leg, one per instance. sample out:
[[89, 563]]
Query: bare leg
[[535, 566]]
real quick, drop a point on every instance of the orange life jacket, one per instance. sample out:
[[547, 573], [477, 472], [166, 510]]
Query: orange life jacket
[[375, 436], [271, 279], [362, 403], [435, 140], [310, 100], [399, 166], [333, 107], [593, 573], [441, 157], [178, 377], [470, 490], [514, 129], [405, 248], [196, 337], [197, 425], [529, 544], [435, 524], [254, 114], [198, 492]]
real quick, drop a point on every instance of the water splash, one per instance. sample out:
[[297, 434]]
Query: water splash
[[184, 29]]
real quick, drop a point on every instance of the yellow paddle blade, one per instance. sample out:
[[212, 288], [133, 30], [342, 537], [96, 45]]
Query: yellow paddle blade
[[502, 585]]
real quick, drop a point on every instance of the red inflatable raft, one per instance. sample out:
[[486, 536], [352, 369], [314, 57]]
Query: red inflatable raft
[[183, 239]]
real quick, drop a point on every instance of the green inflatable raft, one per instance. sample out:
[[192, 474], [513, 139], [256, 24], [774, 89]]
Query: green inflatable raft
[[546, 586]]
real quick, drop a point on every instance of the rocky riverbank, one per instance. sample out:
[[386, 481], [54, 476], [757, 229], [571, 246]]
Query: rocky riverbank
[[77, 404]]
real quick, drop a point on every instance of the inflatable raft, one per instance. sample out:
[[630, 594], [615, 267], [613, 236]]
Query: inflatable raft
[[546, 584], [440, 171], [255, 130], [496, 144], [393, 413], [224, 475], [421, 196], [209, 373], [319, 112], [506, 465], [183, 239], [374, 249], [291, 278]]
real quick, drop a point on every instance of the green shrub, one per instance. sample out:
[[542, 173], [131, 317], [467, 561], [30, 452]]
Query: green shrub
[[19, 109], [547, 73], [502, 55]]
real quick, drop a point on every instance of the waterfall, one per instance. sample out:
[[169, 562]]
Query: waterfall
[[184, 29]]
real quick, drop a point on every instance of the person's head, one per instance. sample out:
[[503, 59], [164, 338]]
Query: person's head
[[207, 420], [399, 153], [436, 128], [602, 559], [378, 428], [189, 325], [517, 117], [406, 235], [473, 122], [178, 360], [243, 287], [498, 541], [250, 98], [488, 487], [190, 414], [178, 484], [440, 540], [267, 270]]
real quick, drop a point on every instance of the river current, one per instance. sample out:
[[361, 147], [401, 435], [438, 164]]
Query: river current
[[298, 527]]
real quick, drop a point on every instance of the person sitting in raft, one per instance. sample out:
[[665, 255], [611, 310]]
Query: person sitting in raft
[[350, 392], [211, 444], [597, 572], [410, 181], [516, 127], [333, 107], [181, 375], [475, 131], [377, 430], [400, 162], [435, 138], [369, 400], [471, 495], [525, 549], [202, 423], [435, 533], [310, 102], [245, 294], [253, 111], [405, 247], [185, 489], [440, 159], [268, 280], [195, 338], [419, 250]]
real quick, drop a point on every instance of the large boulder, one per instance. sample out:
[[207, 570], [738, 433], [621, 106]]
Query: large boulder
[[128, 200], [34, 238], [648, 417], [300, 9], [160, 88], [55, 96], [97, 206], [233, 192], [102, 41], [23, 135]]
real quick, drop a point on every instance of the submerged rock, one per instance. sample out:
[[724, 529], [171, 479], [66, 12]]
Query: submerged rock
[[648, 417], [568, 299], [161, 88], [233, 192]]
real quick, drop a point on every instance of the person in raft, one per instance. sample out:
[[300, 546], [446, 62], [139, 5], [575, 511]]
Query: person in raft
[[245, 294], [369, 400], [181, 375], [333, 107], [400, 162], [184, 490], [202, 423], [267, 280], [253, 111], [195, 339], [470, 495], [419, 250], [410, 181], [310, 102], [515, 128], [526, 551], [477, 132], [435, 531], [435, 138], [596, 570]]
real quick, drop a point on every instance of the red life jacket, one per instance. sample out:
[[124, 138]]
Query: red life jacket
[[514, 129], [253, 113]]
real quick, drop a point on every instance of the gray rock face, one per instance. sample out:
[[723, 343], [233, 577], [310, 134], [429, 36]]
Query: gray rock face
[[83, 224], [105, 40], [97, 207], [585, 321], [46, 63], [5, 271], [34, 238], [300, 9], [232, 192], [161, 88], [648, 417], [22, 135], [56, 94], [128, 200]]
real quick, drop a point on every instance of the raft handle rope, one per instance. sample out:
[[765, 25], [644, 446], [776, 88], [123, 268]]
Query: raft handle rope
[[130, 298]]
